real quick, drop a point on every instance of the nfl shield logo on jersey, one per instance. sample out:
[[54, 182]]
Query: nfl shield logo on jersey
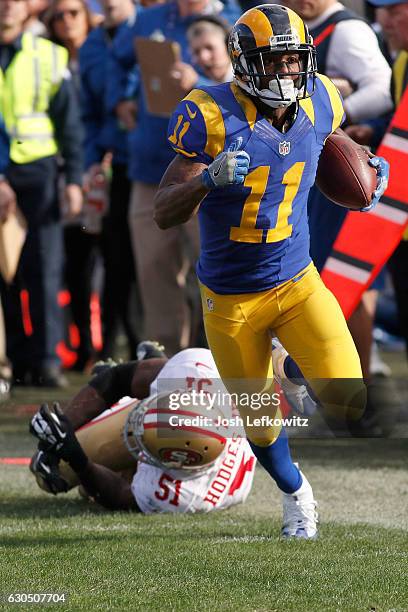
[[284, 148], [210, 304]]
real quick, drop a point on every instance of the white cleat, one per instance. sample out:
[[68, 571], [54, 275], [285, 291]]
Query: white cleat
[[296, 395], [299, 513]]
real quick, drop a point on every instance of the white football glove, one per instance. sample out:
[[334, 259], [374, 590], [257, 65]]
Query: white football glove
[[228, 168]]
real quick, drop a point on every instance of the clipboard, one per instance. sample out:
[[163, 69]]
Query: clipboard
[[156, 59], [13, 233]]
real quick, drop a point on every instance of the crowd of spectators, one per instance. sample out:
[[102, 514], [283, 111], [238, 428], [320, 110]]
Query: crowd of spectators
[[82, 156]]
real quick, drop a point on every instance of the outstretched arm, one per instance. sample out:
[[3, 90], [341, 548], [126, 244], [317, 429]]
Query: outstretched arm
[[107, 488], [108, 387], [57, 438]]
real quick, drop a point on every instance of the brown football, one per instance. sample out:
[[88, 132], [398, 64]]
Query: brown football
[[344, 175]]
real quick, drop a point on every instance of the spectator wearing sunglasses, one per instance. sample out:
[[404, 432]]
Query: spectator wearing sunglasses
[[69, 23]]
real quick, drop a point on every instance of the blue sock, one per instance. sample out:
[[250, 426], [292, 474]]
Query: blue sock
[[292, 370], [276, 460], [294, 373]]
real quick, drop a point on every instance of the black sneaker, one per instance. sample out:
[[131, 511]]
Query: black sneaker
[[50, 377], [21, 376]]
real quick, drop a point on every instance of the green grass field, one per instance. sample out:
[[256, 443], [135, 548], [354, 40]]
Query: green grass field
[[231, 560]]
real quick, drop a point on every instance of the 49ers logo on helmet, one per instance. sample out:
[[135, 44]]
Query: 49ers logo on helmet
[[180, 455]]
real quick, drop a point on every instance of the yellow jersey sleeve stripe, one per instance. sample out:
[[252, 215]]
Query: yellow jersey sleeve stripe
[[398, 73], [214, 122], [307, 105], [185, 153], [259, 25], [297, 24], [335, 100], [246, 104]]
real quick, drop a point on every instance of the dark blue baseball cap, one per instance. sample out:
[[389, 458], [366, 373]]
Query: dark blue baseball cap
[[386, 2]]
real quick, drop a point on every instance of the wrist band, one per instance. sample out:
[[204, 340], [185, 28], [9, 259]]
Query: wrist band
[[207, 180]]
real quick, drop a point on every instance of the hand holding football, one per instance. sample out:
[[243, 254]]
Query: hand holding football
[[344, 174]]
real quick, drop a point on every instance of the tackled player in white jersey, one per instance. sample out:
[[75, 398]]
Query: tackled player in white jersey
[[172, 469], [184, 468]]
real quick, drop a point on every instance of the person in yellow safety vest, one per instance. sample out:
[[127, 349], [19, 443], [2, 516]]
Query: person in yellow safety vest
[[41, 121]]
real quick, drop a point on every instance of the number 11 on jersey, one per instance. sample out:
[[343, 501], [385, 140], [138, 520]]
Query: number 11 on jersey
[[257, 180]]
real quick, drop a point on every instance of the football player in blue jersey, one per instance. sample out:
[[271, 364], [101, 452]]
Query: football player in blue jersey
[[247, 157]]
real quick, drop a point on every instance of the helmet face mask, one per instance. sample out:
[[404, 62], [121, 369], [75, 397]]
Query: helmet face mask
[[150, 437], [284, 88], [260, 35]]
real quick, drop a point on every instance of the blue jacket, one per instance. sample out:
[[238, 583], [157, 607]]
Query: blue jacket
[[4, 147], [150, 152], [102, 130]]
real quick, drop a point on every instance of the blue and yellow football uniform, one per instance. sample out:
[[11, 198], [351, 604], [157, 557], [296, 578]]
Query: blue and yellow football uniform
[[254, 267], [254, 236]]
